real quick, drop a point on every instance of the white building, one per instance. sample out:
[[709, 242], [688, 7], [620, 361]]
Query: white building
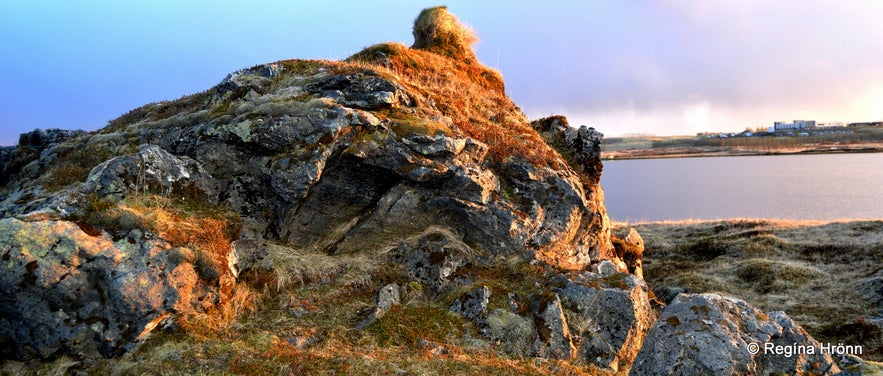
[[797, 124]]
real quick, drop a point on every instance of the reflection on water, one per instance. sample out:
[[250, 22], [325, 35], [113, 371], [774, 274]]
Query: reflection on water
[[800, 187]]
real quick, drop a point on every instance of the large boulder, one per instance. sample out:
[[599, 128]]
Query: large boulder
[[612, 317], [71, 289], [711, 334]]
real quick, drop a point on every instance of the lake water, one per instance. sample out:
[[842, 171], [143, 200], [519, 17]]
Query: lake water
[[801, 187]]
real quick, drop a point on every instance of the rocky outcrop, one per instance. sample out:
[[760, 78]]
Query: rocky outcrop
[[554, 339], [68, 288], [30, 148], [335, 157], [720, 335]]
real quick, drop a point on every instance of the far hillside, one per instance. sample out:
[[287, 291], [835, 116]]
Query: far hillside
[[852, 139]]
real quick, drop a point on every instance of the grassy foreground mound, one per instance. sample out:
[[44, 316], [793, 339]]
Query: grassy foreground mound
[[300, 318], [821, 274]]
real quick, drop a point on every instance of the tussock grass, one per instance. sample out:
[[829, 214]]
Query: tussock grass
[[809, 269], [298, 268]]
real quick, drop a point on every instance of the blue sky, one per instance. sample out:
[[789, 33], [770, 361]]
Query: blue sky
[[659, 67]]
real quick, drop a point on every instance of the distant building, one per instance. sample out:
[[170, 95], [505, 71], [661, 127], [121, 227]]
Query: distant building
[[797, 124]]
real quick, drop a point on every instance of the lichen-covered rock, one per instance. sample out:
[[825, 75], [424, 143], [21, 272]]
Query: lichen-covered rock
[[612, 317], [69, 289], [432, 258], [152, 169], [554, 340], [251, 255], [710, 334], [473, 306], [513, 334]]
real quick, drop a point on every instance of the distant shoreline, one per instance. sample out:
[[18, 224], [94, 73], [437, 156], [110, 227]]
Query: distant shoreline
[[698, 152]]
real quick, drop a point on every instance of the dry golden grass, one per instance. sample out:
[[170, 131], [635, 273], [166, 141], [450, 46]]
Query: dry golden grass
[[471, 94], [810, 270], [323, 307], [439, 32]]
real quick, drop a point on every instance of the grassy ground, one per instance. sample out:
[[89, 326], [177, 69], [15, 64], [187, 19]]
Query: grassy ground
[[301, 322], [810, 270]]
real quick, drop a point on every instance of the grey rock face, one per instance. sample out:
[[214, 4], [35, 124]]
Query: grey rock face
[[554, 340], [386, 298], [360, 91], [31, 146], [473, 306], [613, 316], [432, 258], [721, 335], [152, 169], [71, 290], [582, 145]]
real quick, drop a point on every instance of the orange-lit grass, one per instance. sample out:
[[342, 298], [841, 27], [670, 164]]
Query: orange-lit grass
[[472, 95], [208, 231]]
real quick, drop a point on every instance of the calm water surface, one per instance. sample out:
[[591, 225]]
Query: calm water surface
[[801, 187]]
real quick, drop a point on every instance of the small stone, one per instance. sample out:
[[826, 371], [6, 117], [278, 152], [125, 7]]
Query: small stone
[[302, 342], [386, 298], [606, 268]]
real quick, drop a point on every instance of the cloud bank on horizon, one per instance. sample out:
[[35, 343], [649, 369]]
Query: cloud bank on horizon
[[658, 67]]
